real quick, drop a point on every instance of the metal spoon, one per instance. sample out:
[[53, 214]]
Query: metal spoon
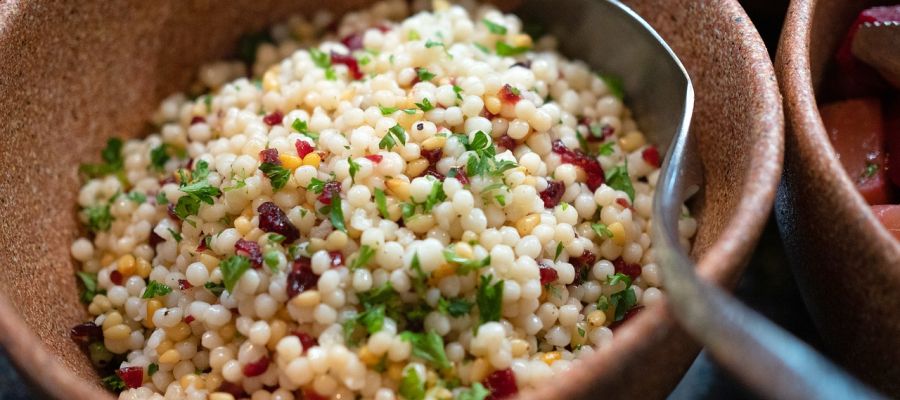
[[767, 359]]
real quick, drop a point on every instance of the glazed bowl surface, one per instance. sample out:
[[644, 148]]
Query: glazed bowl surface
[[846, 263], [74, 75]]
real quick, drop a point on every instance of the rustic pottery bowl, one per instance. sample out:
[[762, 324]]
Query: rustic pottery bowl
[[846, 263], [75, 74]]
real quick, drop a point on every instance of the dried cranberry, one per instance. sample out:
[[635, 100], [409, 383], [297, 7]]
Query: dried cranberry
[[461, 175], [506, 142], [509, 94], [183, 284], [501, 384], [337, 259], [622, 202], [303, 148], [132, 376], [257, 367], [301, 277], [250, 250], [628, 314], [274, 118], [306, 340], [353, 41], [632, 270], [202, 246], [552, 194], [170, 211], [487, 114], [651, 156], [233, 389], [269, 156], [548, 274], [189, 319], [155, 239], [590, 165], [310, 394], [197, 120], [605, 131], [350, 62], [329, 190], [116, 277], [375, 158], [86, 333], [583, 265], [273, 220], [433, 156], [432, 171]]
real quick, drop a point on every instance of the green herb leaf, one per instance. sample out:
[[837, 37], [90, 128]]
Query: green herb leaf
[[320, 58], [614, 84], [425, 105], [159, 156], [454, 307], [494, 28], [152, 369], [412, 387], [113, 161], [354, 168], [601, 230], [476, 392], [504, 49], [465, 265], [161, 198], [271, 260], [137, 197], [618, 179], [90, 286], [155, 289], [871, 169], [336, 215], [316, 186], [429, 347], [277, 174], [276, 238], [559, 249], [198, 191], [603, 303], [424, 75], [458, 90], [381, 202], [175, 235], [432, 43], [114, 383], [363, 257], [606, 149], [99, 218], [436, 196], [489, 299], [214, 288], [232, 269], [481, 47]]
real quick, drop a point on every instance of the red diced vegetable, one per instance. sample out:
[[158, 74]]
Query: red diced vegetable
[[375, 158], [303, 148], [132, 376], [350, 62], [501, 384], [257, 367], [274, 118]]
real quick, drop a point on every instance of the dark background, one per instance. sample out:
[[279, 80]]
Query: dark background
[[767, 285]]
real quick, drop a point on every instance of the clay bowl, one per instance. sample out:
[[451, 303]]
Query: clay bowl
[[847, 265], [74, 75]]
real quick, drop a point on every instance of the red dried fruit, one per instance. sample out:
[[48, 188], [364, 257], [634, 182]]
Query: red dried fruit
[[310, 394], [273, 220], [583, 265], [170, 211], [353, 41], [301, 277], [328, 191], [233, 389], [189, 319], [197, 119], [548, 274], [274, 118], [86, 333], [132, 376], [506, 142], [501, 384], [433, 156], [632, 270], [552, 194], [433, 172], [183, 284], [250, 250], [337, 259], [375, 158], [622, 202], [461, 175], [155, 239], [651, 156], [257, 367], [590, 165], [509, 94], [269, 156], [350, 62], [202, 246], [628, 315], [307, 340], [116, 277], [303, 148]]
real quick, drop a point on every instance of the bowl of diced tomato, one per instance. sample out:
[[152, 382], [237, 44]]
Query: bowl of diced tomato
[[838, 206]]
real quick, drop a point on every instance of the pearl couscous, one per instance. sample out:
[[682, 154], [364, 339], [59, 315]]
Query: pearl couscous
[[426, 206]]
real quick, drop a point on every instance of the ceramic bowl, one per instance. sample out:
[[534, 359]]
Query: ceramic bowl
[[74, 74], [846, 263]]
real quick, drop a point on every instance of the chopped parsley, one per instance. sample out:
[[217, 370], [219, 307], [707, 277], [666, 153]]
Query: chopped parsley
[[429, 347], [394, 135], [114, 383], [424, 75], [301, 126], [618, 179], [489, 299], [601, 230], [323, 60], [614, 84], [155, 289], [454, 307], [136, 197], [436, 196], [99, 218], [161, 198], [90, 286], [277, 174], [113, 161], [232, 269], [335, 214], [425, 105], [159, 156], [465, 265], [493, 27], [271, 260], [316, 186], [623, 300], [458, 90], [276, 238], [363, 257], [412, 387], [481, 47], [152, 369], [476, 392], [482, 162], [214, 288], [390, 110], [198, 191], [505, 49], [606, 149], [175, 235], [871, 169], [381, 203], [559, 249], [354, 168]]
